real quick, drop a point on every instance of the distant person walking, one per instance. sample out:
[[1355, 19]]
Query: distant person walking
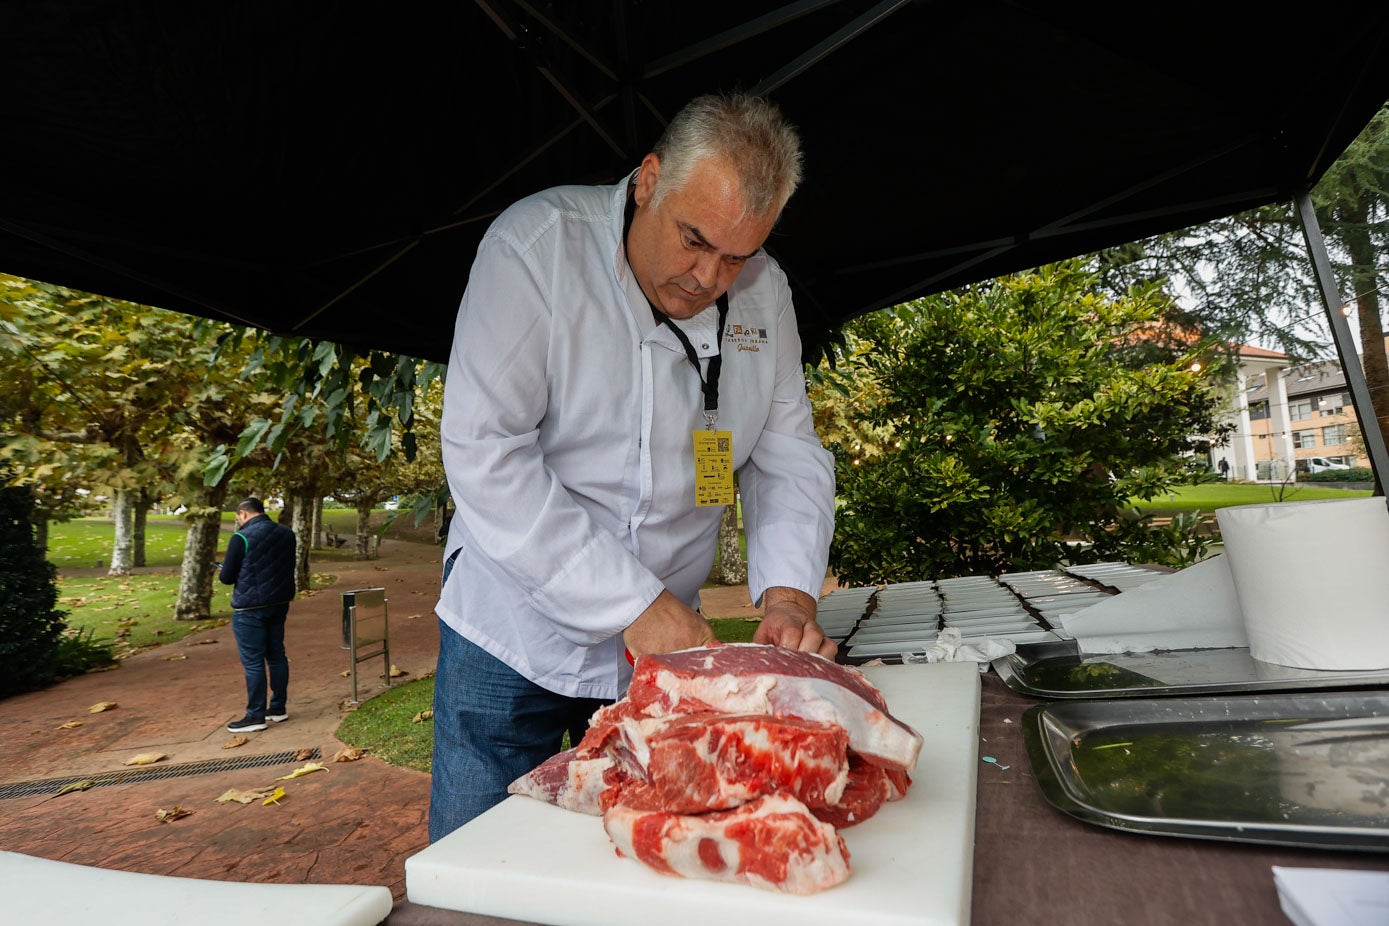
[[1224, 467], [259, 566]]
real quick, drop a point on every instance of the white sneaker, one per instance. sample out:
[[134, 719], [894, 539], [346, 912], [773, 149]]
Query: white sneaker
[[277, 718]]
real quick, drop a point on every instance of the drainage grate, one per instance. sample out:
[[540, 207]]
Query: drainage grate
[[128, 776]]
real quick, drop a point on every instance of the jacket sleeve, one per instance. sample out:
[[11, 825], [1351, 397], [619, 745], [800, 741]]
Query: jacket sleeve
[[231, 563], [514, 507], [787, 483]]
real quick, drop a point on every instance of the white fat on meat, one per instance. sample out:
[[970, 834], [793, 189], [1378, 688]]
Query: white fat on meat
[[873, 733], [773, 843]]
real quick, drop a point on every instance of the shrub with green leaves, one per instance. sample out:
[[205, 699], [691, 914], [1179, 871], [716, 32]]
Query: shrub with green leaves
[[1011, 424], [30, 623]]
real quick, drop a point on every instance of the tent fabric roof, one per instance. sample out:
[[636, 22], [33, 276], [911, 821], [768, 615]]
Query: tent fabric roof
[[327, 169]]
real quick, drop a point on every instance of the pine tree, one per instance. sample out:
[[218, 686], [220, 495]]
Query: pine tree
[[30, 623]]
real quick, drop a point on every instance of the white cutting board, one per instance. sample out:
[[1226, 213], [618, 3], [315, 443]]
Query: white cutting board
[[912, 862]]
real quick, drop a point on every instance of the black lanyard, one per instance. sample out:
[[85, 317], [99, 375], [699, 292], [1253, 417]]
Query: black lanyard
[[709, 385]]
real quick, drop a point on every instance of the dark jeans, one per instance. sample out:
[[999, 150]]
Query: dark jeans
[[491, 726], [260, 639]]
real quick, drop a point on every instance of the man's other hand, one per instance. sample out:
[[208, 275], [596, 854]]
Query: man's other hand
[[788, 619]]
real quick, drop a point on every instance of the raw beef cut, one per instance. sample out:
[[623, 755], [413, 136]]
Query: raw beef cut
[[691, 763], [869, 788], [568, 780], [772, 843], [750, 678]]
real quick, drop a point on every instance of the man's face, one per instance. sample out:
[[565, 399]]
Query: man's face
[[242, 517], [689, 250]]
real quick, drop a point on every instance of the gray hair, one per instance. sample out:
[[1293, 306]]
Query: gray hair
[[749, 132]]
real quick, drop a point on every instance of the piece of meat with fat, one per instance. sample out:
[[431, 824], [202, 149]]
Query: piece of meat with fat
[[569, 779], [870, 786], [691, 763], [773, 843], [751, 678]]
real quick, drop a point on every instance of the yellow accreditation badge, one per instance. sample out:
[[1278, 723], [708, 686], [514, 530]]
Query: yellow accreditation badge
[[713, 455]]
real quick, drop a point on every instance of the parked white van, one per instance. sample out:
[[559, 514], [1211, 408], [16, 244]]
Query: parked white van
[[1321, 464]]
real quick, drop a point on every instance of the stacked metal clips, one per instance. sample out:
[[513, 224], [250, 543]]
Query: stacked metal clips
[[1122, 577], [839, 612], [1021, 607]]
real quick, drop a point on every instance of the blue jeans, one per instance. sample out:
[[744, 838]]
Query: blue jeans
[[491, 726], [260, 640]]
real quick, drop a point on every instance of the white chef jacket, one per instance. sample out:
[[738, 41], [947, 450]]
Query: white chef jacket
[[567, 441]]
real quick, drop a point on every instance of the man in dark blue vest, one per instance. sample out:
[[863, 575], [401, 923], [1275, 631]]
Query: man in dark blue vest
[[259, 566]]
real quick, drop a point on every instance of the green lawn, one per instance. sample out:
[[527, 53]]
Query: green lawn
[[1213, 495], [132, 611], [86, 542]]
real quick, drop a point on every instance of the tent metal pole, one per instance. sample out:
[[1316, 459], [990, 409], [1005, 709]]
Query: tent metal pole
[[1345, 344]]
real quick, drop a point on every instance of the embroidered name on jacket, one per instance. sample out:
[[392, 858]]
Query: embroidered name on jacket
[[744, 337]]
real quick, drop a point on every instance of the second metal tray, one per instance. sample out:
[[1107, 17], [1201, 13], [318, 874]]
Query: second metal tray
[[1309, 770], [1060, 670]]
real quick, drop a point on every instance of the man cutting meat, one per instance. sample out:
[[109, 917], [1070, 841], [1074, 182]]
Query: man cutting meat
[[620, 352]]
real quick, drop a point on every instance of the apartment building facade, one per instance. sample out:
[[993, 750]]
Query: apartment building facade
[[1285, 416]]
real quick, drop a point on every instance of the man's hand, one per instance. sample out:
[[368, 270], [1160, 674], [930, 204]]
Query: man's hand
[[788, 619], [665, 626]]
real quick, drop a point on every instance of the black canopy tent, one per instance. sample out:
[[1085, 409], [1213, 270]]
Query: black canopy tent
[[327, 169]]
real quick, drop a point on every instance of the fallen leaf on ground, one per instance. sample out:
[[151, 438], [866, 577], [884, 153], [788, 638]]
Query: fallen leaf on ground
[[346, 673], [82, 785], [307, 768], [100, 706], [302, 753], [422, 716], [168, 816], [145, 758], [397, 672], [234, 742], [175, 656], [274, 797], [202, 642], [350, 754], [247, 797], [71, 724]]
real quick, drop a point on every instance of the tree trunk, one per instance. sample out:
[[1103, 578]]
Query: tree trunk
[[318, 532], [143, 499], [364, 507], [1373, 357], [40, 522], [196, 576], [733, 568], [123, 513], [302, 525]]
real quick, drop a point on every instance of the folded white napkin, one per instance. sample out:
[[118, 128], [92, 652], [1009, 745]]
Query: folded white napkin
[[949, 647]]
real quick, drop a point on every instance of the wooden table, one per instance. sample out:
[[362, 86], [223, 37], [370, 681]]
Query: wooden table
[[1036, 865]]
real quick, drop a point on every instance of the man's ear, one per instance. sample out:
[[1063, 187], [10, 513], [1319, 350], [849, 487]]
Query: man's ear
[[647, 176]]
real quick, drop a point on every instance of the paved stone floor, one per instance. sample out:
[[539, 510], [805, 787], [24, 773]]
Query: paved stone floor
[[353, 824]]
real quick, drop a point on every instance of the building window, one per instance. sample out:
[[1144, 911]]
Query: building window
[[1300, 410], [1303, 440], [1334, 404], [1258, 411], [1336, 434]]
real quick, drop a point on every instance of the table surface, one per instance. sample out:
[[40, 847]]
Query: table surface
[[1036, 865]]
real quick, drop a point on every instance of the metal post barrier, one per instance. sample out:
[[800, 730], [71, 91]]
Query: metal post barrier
[[366, 629]]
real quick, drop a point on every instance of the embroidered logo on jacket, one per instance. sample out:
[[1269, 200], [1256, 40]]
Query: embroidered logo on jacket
[[745, 337]]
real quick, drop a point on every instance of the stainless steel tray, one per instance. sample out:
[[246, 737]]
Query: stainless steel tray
[[1308, 770], [1060, 670]]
